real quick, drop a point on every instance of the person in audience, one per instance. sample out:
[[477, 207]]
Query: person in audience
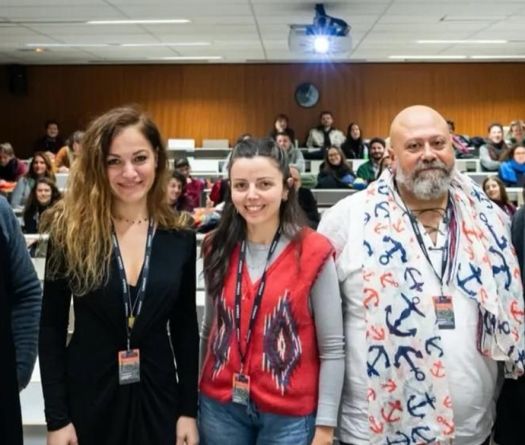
[[306, 199], [324, 136], [512, 167], [496, 191], [287, 364], [51, 142], [370, 169], [516, 134], [177, 200], [335, 171], [11, 168], [354, 147], [43, 195], [384, 164], [460, 143], [432, 296], [40, 166], [127, 260], [494, 149], [281, 124], [294, 155], [194, 186], [20, 301], [67, 154]]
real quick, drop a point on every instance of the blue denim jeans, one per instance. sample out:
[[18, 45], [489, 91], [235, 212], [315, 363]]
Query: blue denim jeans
[[235, 424]]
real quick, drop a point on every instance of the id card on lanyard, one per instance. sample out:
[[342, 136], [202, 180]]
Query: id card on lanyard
[[241, 381], [129, 359]]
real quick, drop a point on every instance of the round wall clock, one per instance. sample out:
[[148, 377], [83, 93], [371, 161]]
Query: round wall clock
[[307, 95]]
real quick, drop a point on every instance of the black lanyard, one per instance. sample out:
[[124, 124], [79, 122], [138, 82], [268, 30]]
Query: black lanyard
[[258, 296], [132, 311]]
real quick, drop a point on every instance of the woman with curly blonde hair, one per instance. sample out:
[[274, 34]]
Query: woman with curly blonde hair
[[129, 262]]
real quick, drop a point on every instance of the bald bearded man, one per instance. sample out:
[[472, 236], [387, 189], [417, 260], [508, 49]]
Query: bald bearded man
[[431, 293]]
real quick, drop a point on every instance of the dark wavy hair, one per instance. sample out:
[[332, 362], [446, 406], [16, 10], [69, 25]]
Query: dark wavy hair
[[219, 244], [32, 204]]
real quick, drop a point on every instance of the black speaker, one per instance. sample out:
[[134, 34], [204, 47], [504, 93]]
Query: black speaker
[[17, 79]]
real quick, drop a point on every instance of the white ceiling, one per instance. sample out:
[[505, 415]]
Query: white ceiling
[[254, 30]]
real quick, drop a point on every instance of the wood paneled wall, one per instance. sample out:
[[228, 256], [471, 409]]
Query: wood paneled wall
[[223, 101]]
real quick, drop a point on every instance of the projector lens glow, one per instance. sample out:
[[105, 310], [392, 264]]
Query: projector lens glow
[[321, 44]]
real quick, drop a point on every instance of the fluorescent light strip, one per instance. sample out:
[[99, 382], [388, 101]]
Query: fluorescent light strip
[[427, 57], [66, 45], [137, 22], [514, 56], [140, 45], [474, 42], [186, 58]]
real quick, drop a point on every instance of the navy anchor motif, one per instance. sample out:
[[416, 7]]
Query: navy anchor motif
[[411, 307]]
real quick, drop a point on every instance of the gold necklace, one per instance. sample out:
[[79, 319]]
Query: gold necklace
[[131, 221]]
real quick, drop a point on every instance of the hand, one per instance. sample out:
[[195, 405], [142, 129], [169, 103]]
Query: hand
[[63, 436], [187, 433], [324, 435]]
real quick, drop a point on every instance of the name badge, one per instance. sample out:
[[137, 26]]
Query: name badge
[[128, 367], [444, 312], [241, 389]]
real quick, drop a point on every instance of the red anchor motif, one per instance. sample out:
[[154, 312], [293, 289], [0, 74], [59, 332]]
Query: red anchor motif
[[371, 297], [438, 370], [388, 278], [515, 334], [470, 252], [516, 312], [483, 295], [398, 226], [469, 233], [390, 385], [516, 273], [377, 333], [380, 227], [447, 402], [449, 425], [371, 394], [375, 426], [394, 407], [367, 275]]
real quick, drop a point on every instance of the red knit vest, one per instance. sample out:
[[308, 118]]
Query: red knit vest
[[282, 359]]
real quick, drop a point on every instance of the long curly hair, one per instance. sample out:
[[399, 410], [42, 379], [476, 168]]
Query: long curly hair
[[80, 225]]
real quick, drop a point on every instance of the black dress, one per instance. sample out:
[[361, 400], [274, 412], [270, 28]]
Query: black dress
[[80, 381]]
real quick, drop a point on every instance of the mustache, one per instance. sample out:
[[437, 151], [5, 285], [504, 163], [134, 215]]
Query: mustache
[[436, 165]]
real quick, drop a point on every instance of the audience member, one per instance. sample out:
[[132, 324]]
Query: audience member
[[492, 152], [281, 124], [460, 143], [512, 167], [51, 142], [11, 168], [177, 200], [293, 154], [496, 191], [370, 169], [67, 154], [121, 379], [516, 134], [324, 136], [354, 147], [43, 195], [39, 167], [335, 171], [433, 300], [306, 199], [384, 164], [273, 321], [20, 300], [194, 186]]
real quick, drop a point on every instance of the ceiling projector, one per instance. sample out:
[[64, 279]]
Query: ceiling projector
[[327, 35]]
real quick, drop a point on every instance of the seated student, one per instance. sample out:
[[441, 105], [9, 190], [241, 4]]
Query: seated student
[[324, 136], [516, 133], [51, 142], [460, 143], [496, 191], [492, 152], [43, 195], [281, 124], [11, 168], [175, 191], [354, 147], [294, 155], [369, 170], [335, 172], [512, 168], [194, 186], [39, 167], [67, 154], [306, 199], [384, 164]]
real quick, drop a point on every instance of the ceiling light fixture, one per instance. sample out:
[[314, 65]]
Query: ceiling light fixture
[[138, 22]]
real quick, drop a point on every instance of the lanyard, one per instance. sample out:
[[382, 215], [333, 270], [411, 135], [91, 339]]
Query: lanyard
[[446, 248], [132, 311], [258, 296]]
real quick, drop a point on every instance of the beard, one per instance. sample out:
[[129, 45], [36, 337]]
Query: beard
[[426, 184]]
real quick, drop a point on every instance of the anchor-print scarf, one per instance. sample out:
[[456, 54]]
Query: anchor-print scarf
[[405, 355]]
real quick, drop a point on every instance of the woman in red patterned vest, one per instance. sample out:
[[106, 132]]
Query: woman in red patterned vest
[[272, 344]]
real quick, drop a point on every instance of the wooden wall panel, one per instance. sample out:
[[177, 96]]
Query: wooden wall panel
[[223, 101]]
